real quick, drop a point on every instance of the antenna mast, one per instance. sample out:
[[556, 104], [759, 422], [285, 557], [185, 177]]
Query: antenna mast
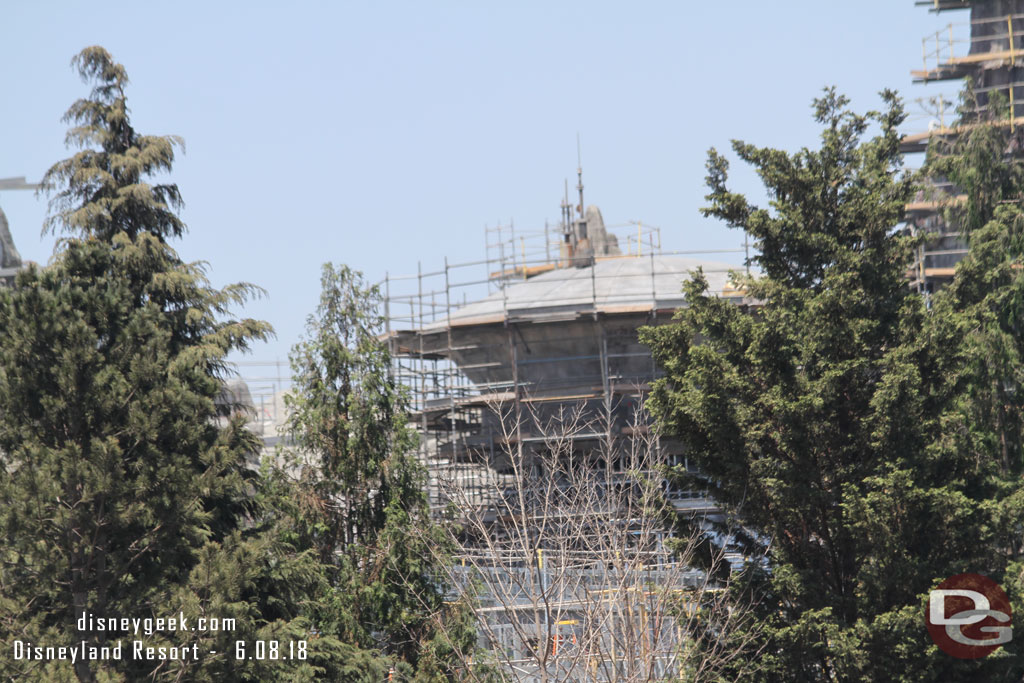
[[567, 231], [582, 233], [579, 173]]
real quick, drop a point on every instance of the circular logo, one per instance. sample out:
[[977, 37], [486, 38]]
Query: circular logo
[[969, 616]]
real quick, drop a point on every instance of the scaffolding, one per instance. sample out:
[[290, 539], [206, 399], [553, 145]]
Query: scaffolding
[[946, 56], [988, 48], [524, 254], [495, 354], [577, 650], [261, 387], [470, 340]]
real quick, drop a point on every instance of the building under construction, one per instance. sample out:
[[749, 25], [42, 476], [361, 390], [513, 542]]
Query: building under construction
[[496, 353], [986, 48], [519, 364], [540, 328], [550, 334]]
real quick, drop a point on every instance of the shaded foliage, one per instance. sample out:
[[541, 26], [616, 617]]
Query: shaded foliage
[[125, 494], [831, 417], [364, 506]]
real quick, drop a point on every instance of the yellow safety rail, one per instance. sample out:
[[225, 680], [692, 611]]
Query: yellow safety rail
[[944, 50]]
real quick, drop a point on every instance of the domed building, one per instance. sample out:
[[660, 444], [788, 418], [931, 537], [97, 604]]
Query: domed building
[[554, 337], [528, 399]]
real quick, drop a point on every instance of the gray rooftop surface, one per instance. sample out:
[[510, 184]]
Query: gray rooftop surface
[[612, 285]]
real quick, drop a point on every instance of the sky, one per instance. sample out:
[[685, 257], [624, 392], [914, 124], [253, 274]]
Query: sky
[[388, 135]]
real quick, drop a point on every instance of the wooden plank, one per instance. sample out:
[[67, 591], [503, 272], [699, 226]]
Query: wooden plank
[[985, 57], [937, 204]]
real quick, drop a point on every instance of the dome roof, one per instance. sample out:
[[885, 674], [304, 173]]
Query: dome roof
[[612, 285]]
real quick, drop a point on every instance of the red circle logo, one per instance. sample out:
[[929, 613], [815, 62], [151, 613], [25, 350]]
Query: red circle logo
[[968, 616]]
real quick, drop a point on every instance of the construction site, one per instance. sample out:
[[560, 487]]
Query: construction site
[[527, 383], [548, 335], [497, 353], [982, 49]]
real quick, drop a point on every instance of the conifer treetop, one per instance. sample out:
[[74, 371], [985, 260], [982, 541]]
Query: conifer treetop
[[103, 186]]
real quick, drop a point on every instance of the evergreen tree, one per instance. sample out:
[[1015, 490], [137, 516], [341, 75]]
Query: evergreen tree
[[123, 494], [986, 164], [829, 419], [366, 512], [983, 163]]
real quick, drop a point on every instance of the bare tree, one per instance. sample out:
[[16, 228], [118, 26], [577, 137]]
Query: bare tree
[[561, 549]]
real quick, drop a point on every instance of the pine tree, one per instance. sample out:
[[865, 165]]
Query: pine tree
[[829, 419], [123, 494], [366, 510]]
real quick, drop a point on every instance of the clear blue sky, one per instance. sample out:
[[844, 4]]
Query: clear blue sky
[[382, 134]]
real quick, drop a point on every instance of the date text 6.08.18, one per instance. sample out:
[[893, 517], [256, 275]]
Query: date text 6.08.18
[[270, 649]]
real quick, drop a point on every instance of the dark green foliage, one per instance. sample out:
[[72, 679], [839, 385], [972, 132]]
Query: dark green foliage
[[987, 298], [984, 163], [834, 420], [124, 494], [364, 509], [986, 303]]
